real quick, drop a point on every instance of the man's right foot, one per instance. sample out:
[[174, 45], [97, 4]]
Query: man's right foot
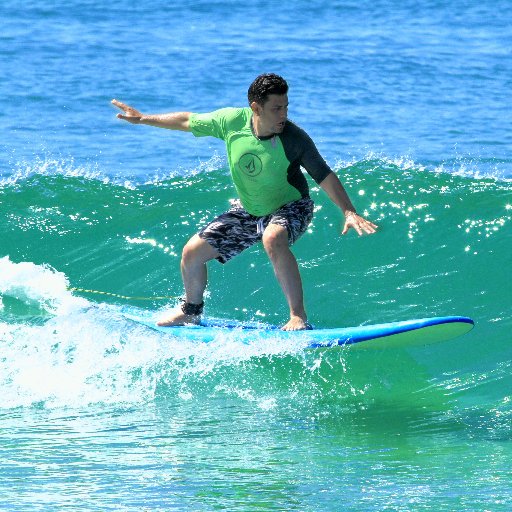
[[178, 318], [296, 323]]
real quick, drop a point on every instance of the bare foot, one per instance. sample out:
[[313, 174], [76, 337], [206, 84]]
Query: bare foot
[[179, 318], [295, 324]]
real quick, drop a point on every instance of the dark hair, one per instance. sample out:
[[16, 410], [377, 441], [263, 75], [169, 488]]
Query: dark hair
[[265, 85]]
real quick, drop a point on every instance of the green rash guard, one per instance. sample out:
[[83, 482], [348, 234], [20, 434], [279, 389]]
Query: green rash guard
[[266, 171]]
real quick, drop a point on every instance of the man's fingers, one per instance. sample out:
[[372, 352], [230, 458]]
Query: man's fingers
[[360, 225], [369, 227], [353, 225], [130, 119], [118, 104], [126, 108], [129, 114]]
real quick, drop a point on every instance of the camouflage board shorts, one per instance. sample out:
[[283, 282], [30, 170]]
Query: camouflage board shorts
[[236, 230]]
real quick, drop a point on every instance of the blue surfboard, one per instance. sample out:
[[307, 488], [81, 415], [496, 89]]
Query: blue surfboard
[[386, 335]]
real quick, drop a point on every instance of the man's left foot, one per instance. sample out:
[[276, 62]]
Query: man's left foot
[[178, 318]]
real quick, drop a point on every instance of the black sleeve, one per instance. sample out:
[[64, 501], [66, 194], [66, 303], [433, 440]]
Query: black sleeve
[[300, 148]]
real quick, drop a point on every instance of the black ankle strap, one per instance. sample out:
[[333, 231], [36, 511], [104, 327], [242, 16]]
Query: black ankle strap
[[192, 309]]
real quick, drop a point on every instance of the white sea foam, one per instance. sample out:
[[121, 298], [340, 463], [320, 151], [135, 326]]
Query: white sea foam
[[38, 285], [52, 166], [72, 352]]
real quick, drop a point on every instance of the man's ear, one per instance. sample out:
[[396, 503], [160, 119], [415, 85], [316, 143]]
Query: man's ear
[[256, 108]]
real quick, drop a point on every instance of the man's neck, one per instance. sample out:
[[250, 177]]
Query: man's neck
[[258, 130]]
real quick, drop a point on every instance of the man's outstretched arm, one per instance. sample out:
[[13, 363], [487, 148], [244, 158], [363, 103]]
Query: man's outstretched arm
[[172, 121], [338, 195]]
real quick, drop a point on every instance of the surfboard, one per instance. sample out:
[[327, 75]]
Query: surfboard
[[407, 333]]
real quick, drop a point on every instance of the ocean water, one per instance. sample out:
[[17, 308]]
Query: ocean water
[[410, 104]]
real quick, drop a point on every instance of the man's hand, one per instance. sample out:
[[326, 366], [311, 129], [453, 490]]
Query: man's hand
[[129, 113], [172, 121], [360, 224], [338, 195]]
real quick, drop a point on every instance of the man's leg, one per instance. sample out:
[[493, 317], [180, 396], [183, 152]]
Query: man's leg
[[275, 241], [196, 253]]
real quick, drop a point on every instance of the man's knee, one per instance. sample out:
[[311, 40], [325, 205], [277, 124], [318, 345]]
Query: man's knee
[[197, 250], [275, 238]]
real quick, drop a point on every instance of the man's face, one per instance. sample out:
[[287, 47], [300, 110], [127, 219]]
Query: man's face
[[273, 114]]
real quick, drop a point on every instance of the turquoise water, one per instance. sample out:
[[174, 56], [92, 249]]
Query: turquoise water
[[409, 105]]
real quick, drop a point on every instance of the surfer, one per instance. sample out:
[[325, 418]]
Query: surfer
[[265, 152]]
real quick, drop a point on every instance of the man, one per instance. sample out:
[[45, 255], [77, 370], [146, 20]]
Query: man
[[266, 152]]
